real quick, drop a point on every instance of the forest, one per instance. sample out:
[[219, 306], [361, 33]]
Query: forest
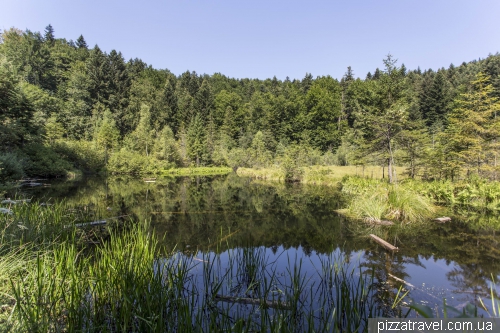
[[66, 107]]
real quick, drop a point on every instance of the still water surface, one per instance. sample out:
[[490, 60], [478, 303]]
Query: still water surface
[[293, 221]]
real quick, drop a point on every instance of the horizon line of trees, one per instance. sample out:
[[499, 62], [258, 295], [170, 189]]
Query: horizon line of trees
[[64, 105]]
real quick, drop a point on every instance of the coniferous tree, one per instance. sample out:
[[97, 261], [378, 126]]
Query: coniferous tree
[[203, 101], [143, 134], [107, 134], [389, 116], [81, 43], [473, 130], [99, 73], [196, 140], [49, 35]]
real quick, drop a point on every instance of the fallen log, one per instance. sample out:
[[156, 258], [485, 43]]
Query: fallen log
[[14, 202], [5, 211], [148, 179], [384, 243], [253, 301], [442, 219], [31, 184], [86, 224], [401, 280], [374, 221]]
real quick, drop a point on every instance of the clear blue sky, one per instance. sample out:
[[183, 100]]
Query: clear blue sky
[[260, 39]]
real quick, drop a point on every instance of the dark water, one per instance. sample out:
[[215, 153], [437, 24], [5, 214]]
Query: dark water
[[437, 261]]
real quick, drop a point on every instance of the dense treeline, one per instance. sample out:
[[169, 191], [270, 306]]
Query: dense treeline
[[65, 106]]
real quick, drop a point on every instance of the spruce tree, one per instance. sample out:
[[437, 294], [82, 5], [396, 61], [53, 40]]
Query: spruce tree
[[49, 35], [81, 43]]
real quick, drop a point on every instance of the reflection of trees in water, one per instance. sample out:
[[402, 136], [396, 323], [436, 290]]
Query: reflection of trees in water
[[197, 211], [383, 265]]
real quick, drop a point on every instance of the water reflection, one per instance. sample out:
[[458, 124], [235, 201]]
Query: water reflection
[[192, 214]]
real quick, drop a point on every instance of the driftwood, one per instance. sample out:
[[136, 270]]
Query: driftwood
[[90, 224], [5, 211], [442, 219], [86, 224], [32, 184], [253, 301], [14, 202], [400, 280], [371, 220], [383, 243]]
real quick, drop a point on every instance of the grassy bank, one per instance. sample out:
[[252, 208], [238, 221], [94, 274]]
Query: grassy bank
[[325, 175], [372, 199], [200, 171]]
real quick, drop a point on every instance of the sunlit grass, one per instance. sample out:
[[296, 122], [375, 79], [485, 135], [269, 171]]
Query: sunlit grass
[[196, 171], [324, 175]]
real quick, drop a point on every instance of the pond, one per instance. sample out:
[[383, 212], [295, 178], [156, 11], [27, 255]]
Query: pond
[[193, 214]]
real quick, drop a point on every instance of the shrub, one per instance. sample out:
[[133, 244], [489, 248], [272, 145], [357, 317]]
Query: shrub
[[130, 162], [44, 161], [10, 167], [83, 155]]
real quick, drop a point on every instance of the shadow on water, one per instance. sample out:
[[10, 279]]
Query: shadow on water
[[193, 214]]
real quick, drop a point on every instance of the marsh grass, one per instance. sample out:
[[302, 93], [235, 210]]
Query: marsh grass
[[373, 200], [319, 175], [196, 171]]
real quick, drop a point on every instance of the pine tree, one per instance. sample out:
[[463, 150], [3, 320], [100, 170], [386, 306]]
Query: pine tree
[[473, 130], [49, 35], [388, 116], [99, 73], [81, 43], [107, 135], [196, 140], [203, 102], [143, 134], [166, 148]]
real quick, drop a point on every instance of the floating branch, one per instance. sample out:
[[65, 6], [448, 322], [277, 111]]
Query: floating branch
[[253, 301], [14, 202], [382, 242], [442, 219], [401, 280]]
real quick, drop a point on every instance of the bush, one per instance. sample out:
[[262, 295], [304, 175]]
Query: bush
[[130, 162], [44, 161], [11, 167], [82, 155]]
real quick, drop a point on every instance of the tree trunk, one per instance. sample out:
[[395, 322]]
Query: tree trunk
[[389, 169]]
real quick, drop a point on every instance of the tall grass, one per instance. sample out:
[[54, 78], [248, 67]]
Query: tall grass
[[373, 200], [196, 171]]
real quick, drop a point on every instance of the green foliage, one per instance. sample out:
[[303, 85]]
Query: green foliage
[[107, 133], [131, 162], [373, 200], [166, 149], [11, 167], [42, 160], [83, 155], [196, 148], [142, 136], [52, 90], [260, 156]]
